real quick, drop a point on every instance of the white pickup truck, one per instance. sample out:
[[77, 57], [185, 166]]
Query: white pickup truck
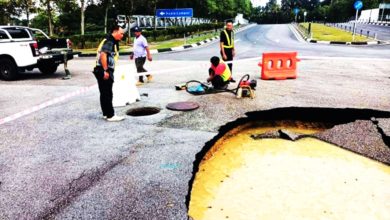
[[23, 48]]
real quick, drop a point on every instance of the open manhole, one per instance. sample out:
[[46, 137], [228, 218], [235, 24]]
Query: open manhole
[[143, 111], [275, 164]]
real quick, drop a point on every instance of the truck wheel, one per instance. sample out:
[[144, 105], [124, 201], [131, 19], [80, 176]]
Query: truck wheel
[[48, 68], [8, 69]]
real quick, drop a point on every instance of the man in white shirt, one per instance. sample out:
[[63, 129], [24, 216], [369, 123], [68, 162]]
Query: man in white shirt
[[140, 53]]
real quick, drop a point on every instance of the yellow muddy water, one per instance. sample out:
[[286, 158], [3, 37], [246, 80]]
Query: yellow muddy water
[[243, 178]]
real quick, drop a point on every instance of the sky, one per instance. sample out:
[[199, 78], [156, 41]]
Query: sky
[[256, 3]]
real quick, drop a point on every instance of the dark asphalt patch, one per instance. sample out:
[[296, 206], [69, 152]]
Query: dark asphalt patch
[[383, 130]]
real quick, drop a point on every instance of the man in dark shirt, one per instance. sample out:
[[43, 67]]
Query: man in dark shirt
[[108, 53], [227, 44]]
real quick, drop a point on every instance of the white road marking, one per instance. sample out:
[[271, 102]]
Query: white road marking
[[46, 104]]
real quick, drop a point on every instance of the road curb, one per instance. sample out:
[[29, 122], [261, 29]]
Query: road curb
[[344, 43], [172, 49], [307, 39], [375, 23]]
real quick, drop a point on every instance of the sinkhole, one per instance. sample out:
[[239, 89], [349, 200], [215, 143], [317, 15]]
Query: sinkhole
[[276, 164], [143, 111]]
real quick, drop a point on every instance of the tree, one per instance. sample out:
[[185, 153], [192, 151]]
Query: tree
[[40, 21], [244, 7], [68, 20], [27, 6], [106, 4], [93, 18], [7, 10], [47, 5], [82, 9]]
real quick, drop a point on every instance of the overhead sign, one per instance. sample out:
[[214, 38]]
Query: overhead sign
[[174, 13], [296, 11], [358, 5]]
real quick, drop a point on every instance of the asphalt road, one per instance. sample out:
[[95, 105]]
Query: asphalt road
[[264, 38], [65, 162]]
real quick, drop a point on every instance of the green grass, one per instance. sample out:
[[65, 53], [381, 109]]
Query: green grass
[[324, 33], [201, 38], [166, 44], [161, 44], [180, 41]]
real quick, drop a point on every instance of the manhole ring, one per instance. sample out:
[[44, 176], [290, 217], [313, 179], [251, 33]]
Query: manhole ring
[[182, 106], [143, 111]]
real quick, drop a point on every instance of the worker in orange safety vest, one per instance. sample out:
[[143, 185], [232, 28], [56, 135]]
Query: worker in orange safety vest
[[219, 73]]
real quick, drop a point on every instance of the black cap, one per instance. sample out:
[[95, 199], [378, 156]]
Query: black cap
[[137, 29]]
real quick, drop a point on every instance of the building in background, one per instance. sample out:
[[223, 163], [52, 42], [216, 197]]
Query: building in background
[[376, 14]]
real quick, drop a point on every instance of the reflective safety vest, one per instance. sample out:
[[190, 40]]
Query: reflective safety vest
[[226, 73], [230, 41], [116, 57]]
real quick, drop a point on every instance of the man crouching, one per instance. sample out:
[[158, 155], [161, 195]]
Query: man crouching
[[219, 73]]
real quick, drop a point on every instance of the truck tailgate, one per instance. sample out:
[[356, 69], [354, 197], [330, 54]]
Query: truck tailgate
[[53, 43]]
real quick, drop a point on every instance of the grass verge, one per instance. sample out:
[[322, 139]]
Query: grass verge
[[324, 33]]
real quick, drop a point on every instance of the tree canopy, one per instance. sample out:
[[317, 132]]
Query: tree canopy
[[325, 11], [69, 16], [75, 16]]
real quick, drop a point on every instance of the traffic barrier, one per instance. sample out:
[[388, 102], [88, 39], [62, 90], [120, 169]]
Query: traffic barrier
[[279, 65], [124, 89]]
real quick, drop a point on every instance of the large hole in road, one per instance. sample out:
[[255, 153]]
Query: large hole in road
[[274, 165], [143, 111]]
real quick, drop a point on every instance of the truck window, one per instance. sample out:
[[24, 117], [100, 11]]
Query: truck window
[[38, 35], [17, 33], [3, 35]]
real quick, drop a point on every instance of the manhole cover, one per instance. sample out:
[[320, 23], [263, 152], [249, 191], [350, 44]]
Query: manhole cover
[[143, 111], [182, 106]]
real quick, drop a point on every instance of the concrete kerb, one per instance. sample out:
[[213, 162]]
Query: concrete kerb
[[308, 39], [374, 23], [163, 50]]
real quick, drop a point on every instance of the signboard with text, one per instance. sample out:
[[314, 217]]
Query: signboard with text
[[174, 13]]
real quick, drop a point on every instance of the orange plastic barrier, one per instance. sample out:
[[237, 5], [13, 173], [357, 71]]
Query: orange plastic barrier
[[279, 65]]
